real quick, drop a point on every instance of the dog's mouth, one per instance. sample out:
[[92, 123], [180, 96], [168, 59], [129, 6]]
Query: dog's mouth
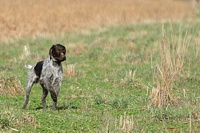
[[64, 58]]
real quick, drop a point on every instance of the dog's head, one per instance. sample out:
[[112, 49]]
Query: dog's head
[[57, 52]]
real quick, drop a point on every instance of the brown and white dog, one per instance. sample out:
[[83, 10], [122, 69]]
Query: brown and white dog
[[49, 74]]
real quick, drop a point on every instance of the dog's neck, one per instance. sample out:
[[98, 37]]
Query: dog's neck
[[55, 62]]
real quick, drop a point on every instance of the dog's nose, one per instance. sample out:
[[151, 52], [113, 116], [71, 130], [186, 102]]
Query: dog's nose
[[62, 55]]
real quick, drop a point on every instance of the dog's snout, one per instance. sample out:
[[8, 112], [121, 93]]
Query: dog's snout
[[63, 56]]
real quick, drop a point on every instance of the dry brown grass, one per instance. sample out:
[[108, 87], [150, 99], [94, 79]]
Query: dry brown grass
[[172, 53], [10, 118], [123, 123], [22, 18], [10, 85]]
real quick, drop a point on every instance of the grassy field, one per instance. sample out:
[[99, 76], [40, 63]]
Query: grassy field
[[115, 78]]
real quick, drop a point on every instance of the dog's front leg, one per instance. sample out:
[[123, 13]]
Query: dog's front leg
[[54, 92], [54, 98], [47, 86], [44, 95]]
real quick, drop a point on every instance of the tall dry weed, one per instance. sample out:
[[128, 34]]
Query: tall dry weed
[[26, 52], [70, 70], [172, 53]]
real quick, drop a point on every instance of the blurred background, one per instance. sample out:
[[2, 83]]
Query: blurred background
[[24, 18]]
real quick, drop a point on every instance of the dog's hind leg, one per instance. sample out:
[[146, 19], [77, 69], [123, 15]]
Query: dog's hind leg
[[32, 78], [28, 90]]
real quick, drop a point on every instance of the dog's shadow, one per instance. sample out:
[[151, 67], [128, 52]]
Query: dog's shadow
[[58, 108]]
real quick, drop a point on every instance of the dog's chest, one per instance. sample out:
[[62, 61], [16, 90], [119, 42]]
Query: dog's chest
[[52, 72]]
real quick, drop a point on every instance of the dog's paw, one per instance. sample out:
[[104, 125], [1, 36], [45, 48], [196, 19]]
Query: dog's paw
[[28, 66]]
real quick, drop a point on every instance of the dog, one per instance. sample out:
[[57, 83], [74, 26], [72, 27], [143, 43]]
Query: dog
[[49, 74]]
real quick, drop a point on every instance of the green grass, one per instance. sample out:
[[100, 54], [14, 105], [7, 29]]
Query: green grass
[[110, 85]]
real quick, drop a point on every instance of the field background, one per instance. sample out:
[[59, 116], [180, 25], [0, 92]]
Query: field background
[[114, 62], [24, 18]]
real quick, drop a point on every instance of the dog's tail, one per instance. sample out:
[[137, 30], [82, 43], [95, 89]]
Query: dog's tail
[[28, 66]]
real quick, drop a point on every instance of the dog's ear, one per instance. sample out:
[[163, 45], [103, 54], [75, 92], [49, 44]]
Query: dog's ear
[[51, 50]]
